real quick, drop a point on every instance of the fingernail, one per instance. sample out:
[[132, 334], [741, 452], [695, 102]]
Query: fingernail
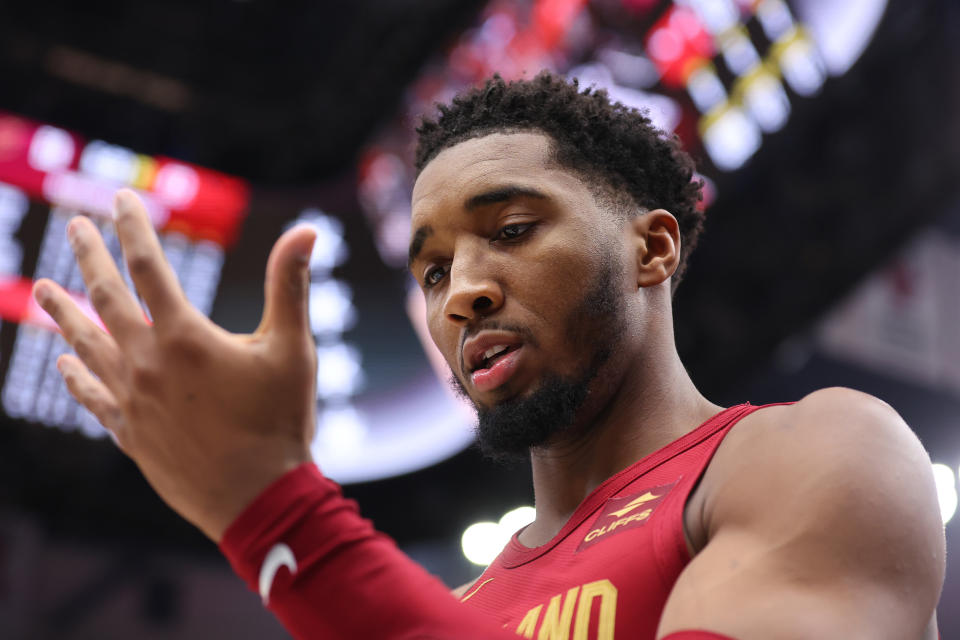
[[73, 233]]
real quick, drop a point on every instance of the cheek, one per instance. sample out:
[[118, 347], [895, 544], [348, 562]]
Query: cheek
[[561, 279], [444, 336]]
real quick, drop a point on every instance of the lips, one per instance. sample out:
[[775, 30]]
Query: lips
[[496, 373], [490, 358], [486, 346]]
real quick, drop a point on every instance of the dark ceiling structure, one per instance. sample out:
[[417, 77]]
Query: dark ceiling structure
[[274, 95], [287, 97]]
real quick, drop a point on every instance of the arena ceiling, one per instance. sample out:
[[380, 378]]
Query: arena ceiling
[[278, 96]]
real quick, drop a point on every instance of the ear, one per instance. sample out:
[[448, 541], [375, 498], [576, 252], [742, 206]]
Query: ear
[[656, 238]]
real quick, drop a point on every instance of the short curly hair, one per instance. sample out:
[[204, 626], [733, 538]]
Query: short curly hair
[[614, 147]]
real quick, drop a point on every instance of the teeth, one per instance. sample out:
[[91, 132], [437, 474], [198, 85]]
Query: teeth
[[492, 351]]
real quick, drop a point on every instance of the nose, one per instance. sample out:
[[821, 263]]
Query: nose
[[473, 291]]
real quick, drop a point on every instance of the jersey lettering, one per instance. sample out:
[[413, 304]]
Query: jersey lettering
[[529, 623], [622, 513], [604, 530], [558, 621]]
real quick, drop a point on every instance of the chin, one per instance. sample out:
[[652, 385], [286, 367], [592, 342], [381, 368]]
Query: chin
[[533, 418]]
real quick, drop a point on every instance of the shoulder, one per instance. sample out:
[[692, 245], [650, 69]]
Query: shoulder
[[833, 437], [829, 435], [834, 412], [842, 413], [828, 507], [834, 431], [837, 472]]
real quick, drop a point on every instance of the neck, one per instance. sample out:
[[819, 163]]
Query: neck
[[652, 405]]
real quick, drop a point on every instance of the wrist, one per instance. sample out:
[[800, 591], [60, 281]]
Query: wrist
[[244, 489]]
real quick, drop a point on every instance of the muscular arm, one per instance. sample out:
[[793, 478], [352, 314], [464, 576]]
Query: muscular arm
[[822, 522]]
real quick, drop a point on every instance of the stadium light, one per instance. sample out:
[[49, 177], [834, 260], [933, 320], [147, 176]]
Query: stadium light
[[946, 490], [482, 541], [514, 519]]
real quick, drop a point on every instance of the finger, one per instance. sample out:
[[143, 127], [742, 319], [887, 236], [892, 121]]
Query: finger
[[93, 395], [151, 274], [287, 285], [92, 345], [106, 289]]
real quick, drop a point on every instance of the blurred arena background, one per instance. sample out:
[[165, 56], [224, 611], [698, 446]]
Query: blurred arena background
[[827, 133]]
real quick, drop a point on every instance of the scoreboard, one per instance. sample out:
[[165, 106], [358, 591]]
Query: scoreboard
[[48, 175]]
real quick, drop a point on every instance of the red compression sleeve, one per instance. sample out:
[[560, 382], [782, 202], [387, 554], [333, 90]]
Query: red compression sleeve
[[696, 635], [326, 573]]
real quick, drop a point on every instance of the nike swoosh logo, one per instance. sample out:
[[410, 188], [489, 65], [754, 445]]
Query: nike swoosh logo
[[279, 556], [474, 592]]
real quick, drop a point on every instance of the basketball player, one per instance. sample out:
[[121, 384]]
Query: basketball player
[[550, 228]]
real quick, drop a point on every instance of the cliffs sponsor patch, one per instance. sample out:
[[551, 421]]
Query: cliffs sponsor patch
[[624, 512]]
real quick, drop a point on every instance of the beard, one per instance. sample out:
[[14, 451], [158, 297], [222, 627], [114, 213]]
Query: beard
[[508, 430]]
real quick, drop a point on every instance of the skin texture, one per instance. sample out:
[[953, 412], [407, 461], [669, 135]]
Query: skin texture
[[508, 429], [533, 284], [823, 516], [817, 520]]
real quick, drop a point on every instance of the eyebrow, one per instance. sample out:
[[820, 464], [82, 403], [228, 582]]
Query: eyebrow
[[478, 201], [502, 194], [416, 243]]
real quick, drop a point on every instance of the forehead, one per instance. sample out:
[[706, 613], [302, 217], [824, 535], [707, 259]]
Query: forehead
[[479, 163]]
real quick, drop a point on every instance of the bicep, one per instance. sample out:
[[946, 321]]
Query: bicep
[[824, 527], [749, 589]]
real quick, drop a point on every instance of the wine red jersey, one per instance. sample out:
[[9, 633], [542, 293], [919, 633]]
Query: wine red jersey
[[328, 574], [609, 571]]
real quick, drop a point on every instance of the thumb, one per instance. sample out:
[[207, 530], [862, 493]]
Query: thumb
[[287, 285]]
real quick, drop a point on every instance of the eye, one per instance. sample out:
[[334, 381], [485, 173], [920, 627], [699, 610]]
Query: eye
[[433, 276], [513, 231]]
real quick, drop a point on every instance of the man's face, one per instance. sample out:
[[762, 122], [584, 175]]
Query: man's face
[[523, 275]]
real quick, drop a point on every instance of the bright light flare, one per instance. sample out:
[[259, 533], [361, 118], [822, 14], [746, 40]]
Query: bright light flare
[[946, 490], [513, 520], [483, 541], [731, 137]]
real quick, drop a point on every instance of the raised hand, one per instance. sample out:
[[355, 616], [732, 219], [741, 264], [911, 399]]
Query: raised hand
[[210, 417]]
